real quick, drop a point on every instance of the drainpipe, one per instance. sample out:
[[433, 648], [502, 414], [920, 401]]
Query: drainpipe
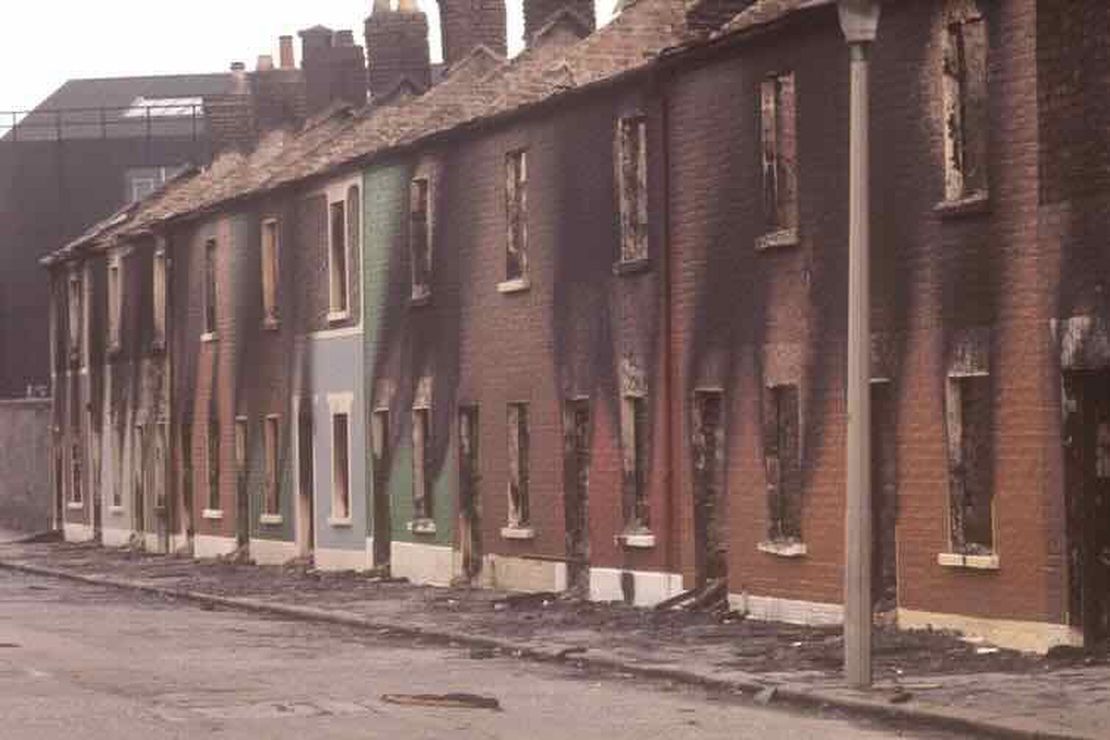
[[859, 21]]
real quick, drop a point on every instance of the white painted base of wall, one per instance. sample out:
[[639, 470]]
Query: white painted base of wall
[[210, 546], [433, 565], [330, 559], [78, 532], [272, 552], [523, 574], [115, 537], [649, 588], [1032, 637], [790, 611]]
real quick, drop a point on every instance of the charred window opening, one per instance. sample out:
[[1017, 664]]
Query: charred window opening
[[632, 185], [420, 238], [272, 493], [709, 498], [965, 105], [516, 205], [115, 301], [635, 458], [158, 283], [519, 515], [781, 455], [76, 493], [779, 158], [340, 467], [210, 288], [271, 248], [337, 260], [971, 464], [421, 498], [76, 315], [213, 462]]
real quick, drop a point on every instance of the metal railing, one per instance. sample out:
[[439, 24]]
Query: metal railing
[[132, 121]]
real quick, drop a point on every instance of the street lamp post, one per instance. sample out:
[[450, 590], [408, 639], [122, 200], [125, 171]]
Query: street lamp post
[[859, 20]]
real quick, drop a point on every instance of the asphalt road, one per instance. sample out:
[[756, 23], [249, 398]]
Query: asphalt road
[[80, 661]]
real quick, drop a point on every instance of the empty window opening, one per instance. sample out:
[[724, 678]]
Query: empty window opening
[[971, 464], [632, 185], [516, 204], [115, 302], [965, 106], [271, 247], [210, 296], [420, 244], [781, 455], [337, 260], [213, 463], [421, 496], [341, 466], [519, 514], [779, 153], [635, 458], [709, 499]]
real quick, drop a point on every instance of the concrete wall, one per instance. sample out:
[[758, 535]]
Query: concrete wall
[[26, 499]]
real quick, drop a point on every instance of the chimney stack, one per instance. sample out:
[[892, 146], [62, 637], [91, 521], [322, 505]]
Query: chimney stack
[[470, 23], [397, 48], [286, 44], [239, 83], [334, 68], [538, 13], [265, 63]]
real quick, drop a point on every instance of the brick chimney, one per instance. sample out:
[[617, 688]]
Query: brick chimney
[[470, 23], [334, 68], [397, 48], [538, 13], [286, 56]]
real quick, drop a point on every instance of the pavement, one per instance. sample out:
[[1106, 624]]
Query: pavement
[[925, 680], [79, 660]]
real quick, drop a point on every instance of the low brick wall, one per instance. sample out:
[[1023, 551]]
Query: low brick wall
[[25, 499]]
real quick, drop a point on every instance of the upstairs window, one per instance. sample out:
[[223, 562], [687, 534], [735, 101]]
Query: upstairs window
[[632, 188], [158, 281], [271, 246], [115, 301], [420, 243], [779, 149], [210, 296], [75, 305], [965, 102], [516, 208], [339, 301]]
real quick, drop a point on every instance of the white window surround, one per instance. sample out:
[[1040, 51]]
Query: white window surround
[[516, 285], [214, 514], [969, 562], [784, 549], [422, 526], [209, 336], [75, 505], [518, 533], [636, 540], [336, 192]]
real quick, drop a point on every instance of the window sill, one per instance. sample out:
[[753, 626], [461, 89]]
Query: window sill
[[209, 336], [271, 520], [784, 549], [632, 267], [421, 297], [158, 346], [516, 285], [75, 506], [643, 540], [335, 317], [422, 526], [116, 510], [971, 205], [214, 514], [777, 239], [339, 521], [115, 349], [969, 562], [518, 533], [271, 324]]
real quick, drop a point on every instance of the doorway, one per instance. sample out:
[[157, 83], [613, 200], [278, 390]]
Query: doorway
[[380, 430], [710, 557], [306, 528], [884, 501], [576, 494], [470, 531], [1087, 460]]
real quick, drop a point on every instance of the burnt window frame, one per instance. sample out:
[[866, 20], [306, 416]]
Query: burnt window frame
[[271, 490], [115, 279], [159, 280], [961, 552], [210, 330], [342, 501], [779, 162], [965, 107], [420, 239], [785, 528], [269, 251], [633, 250], [516, 265], [518, 473]]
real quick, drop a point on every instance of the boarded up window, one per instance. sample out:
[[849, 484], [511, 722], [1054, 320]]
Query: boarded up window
[[271, 248], [76, 316], [341, 466], [159, 291], [213, 462], [421, 500], [420, 244], [210, 287], [337, 260], [971, 464], [779, 153], [115, 301], [518, 465], [632, 186], [965, 104], [781, 453], [516, 205], [634, 442], [272, 494]]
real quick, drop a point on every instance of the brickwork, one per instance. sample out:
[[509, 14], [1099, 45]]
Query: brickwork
[[468, 23]]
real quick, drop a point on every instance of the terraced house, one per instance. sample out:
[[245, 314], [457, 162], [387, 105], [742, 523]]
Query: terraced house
[[577, 320]]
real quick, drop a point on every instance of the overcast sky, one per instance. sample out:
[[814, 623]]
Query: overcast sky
[[47, 42]]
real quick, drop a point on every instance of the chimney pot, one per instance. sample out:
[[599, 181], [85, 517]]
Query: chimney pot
[[286, 45], [345, 38], [238, 67], [265, 63], [406, 6]]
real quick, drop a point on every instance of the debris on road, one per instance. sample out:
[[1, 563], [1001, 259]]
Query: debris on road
[[451, 701]]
